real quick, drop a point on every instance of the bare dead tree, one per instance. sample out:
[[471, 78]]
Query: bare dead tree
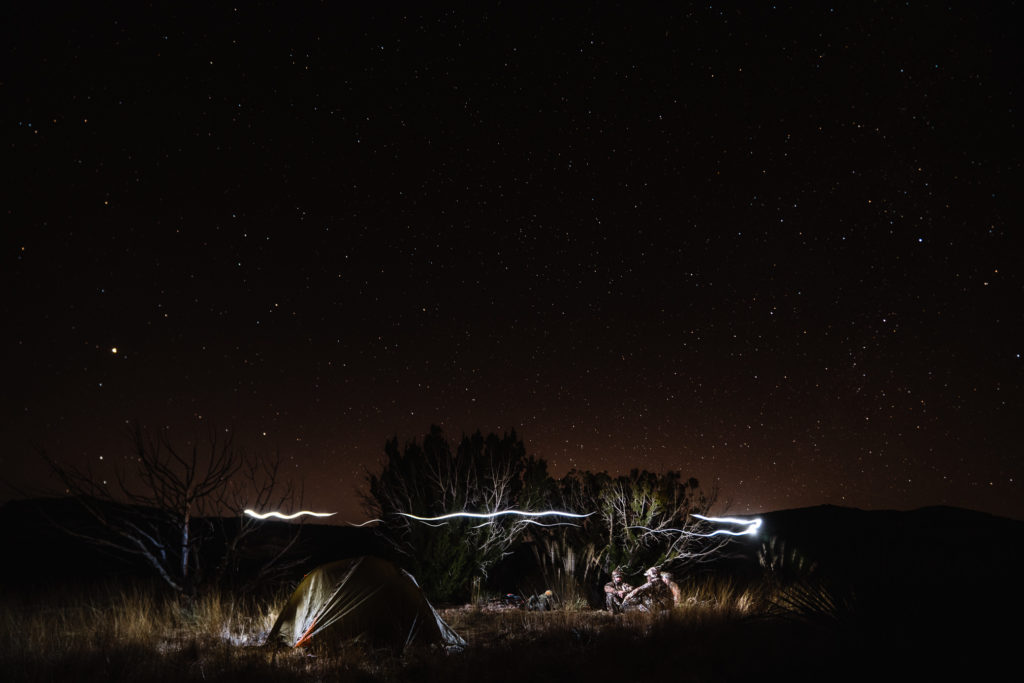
[[500, 486], [639, 520], [650, 519], [162, 508], [259, 486]]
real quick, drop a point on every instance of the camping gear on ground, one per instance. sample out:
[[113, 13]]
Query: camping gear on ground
[[366, 598]]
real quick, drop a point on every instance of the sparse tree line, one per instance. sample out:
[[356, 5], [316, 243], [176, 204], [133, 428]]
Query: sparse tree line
[[166, 509], [633, 520]]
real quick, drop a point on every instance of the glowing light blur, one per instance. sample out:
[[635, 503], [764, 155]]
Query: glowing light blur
[[369, 521], [280, 515], [528, 521], [753, 525], [493, 515]]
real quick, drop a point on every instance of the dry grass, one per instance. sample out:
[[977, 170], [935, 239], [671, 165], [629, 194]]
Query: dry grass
[[128, 632], [133, 633]]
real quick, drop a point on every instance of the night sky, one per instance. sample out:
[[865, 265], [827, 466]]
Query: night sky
[[774, 248]]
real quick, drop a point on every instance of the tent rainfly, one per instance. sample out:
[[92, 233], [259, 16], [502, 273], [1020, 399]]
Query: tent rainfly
[[366, 598]]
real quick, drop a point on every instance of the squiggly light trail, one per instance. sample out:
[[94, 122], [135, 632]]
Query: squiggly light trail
[[279, 515], [752, 526], [492, 515], [528, 521], [369, 521]]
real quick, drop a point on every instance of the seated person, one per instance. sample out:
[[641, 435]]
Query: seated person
[[677, 593], [615, 590], [653, 596], [545, 602]]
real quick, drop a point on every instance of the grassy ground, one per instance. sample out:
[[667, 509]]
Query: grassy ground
[[722, 633]]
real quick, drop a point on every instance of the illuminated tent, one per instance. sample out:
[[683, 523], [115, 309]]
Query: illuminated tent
[[366, 598]]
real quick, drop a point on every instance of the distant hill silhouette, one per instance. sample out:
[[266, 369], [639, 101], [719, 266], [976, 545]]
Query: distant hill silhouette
[[926, 579], [41, 533], [929, 544]]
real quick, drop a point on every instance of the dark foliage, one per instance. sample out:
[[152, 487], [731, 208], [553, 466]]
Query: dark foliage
[[429, 479]]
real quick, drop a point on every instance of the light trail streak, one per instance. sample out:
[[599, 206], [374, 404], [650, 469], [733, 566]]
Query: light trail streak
[[369, 521], [752, 527], [493, 515], [527, 521], [281, 515]]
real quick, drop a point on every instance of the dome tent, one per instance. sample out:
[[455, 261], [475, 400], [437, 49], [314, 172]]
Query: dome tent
[[367, 598]]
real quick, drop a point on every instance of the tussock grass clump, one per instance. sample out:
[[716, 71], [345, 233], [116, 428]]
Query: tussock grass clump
[[134, 632], [127, 632]]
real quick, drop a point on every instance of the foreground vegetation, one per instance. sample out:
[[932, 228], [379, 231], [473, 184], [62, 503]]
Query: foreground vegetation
[[108, 633], [723, 632]]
